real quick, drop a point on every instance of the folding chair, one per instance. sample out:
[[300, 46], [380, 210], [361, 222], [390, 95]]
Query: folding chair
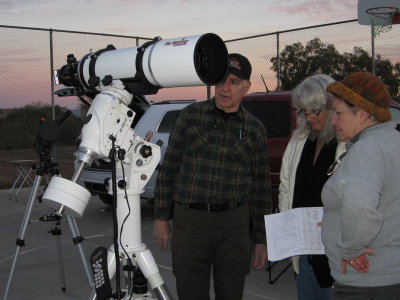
[[271, 265], [275, 209], [24, 169]]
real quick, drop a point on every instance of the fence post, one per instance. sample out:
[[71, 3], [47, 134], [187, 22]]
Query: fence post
[[52, 75], [278, 71], [373, 47]]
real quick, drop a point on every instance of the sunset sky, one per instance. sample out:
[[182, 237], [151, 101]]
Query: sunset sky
[[23, 53], [175, 18]]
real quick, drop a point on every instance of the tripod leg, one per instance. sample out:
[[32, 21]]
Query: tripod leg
[[20, 240], [150, 270], [92, 294], [77, 239], [57, 232]]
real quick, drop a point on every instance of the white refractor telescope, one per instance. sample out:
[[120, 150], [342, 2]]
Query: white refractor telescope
[[187, 61], [113, 76]]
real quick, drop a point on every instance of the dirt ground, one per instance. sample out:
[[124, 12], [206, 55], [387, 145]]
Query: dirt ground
[[64, 156]]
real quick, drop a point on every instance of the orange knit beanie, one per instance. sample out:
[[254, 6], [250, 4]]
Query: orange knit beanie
[[364, 91]]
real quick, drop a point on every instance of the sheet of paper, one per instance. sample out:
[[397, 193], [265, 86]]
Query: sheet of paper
[[294, 232]]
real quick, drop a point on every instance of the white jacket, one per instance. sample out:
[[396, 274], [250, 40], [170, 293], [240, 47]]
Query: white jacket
[[290, 161]]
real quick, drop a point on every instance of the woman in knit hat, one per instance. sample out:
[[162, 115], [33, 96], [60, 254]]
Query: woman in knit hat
[[310, 152], [361, 199]]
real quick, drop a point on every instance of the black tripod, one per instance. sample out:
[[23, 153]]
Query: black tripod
[[49, 132]]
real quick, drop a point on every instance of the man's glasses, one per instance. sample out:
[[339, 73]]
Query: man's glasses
[[313, 113]]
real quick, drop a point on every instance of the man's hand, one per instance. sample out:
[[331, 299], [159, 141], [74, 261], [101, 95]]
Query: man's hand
[[260, 256], [360, 263], [162, 234]]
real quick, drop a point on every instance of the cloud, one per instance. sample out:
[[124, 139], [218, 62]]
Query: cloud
[[340, 9], [174, 18], [6, 5]]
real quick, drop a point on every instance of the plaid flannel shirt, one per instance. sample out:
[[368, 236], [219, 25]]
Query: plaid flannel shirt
[[212, 160]]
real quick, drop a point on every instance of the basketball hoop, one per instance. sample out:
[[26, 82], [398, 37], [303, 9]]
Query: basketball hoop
[[382, 18]]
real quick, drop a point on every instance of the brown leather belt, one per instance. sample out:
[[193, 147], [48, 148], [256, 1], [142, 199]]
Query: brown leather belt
[[209, 207]]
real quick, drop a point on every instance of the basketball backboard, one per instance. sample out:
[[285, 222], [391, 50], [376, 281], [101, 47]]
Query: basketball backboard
[[363, 5]]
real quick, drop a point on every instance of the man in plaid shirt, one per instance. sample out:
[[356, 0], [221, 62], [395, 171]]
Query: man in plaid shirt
[[215, 182]]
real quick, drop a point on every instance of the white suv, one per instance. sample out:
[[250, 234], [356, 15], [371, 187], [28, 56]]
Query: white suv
[[157, 117]]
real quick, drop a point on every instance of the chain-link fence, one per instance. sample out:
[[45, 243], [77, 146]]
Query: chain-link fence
[[28, 56]]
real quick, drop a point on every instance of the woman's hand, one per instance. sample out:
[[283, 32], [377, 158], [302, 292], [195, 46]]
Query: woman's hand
[[360, 263]]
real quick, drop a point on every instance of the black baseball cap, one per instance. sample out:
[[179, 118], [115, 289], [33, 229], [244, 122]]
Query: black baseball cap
[[239, 65]]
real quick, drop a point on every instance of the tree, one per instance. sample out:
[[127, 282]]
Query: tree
[[298, 61]]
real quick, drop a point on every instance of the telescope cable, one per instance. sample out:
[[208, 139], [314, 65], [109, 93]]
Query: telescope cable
[[129, 264], [115, 220], [130, 269]]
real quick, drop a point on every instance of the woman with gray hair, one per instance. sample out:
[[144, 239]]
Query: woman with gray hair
[[310, 152]]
